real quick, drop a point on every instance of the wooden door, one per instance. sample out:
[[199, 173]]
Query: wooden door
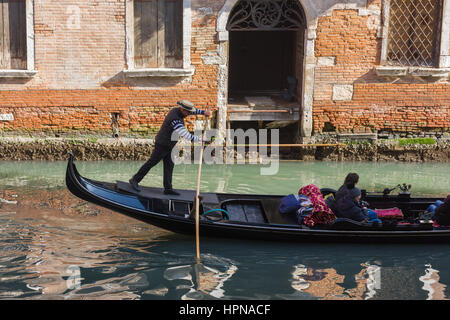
[[158, 28], [172, 55], [145, 33], [13, 35]]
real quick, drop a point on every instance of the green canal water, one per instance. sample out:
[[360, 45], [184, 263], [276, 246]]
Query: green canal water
[[55, 246]]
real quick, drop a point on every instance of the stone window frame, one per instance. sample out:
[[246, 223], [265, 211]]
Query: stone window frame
[[29, 72], [443, 68], [312, 15], [132, 72]]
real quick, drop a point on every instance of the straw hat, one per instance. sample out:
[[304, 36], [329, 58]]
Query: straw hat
[[186, 105]]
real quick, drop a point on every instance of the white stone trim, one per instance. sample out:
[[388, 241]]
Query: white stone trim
[[129, 34], [444, 54], [29, 8], [309, 67], [186, 34], [29, 72], [130, 71], [396, 71], [312, 11], [342, 92], [17, 73], [222, 90], [326, 61], [159, 72], [360, 5], [385, 31]]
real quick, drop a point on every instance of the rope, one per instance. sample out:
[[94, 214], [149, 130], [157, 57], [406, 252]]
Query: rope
[[213, 210]]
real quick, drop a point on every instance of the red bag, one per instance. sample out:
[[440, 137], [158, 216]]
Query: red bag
[[392, 213]]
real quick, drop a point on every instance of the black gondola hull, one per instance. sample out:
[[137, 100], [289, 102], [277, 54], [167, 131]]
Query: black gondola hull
[[125, 203]]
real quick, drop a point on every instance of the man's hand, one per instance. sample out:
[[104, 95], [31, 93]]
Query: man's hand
[[208, 142], [207, 113]]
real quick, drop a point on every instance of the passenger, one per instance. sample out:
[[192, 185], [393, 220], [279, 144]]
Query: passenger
[[442, 214], [350, 182], [348, 206]]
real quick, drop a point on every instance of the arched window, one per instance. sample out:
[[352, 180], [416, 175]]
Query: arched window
[[266, 15]]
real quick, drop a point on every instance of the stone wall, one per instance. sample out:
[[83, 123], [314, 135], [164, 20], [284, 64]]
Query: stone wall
[[89, 148], [349, 95]]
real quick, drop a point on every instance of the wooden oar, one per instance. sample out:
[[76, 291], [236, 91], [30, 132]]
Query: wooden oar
[[197, 194], [289, 145]]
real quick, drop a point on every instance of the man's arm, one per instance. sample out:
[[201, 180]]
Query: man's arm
[[179, 128], [206, 113], [198, 112]]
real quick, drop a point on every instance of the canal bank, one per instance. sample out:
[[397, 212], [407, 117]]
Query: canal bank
[[342, 148]]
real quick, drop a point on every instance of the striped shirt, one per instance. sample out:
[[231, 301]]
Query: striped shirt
[[178, 127]]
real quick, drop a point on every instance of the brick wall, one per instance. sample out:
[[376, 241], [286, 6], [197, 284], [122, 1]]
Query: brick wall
[[80, 79], [350, 97]]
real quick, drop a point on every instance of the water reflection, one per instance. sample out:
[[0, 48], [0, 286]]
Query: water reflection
[[47, 255], [431, 284], [327, 283], [55, 246], [203, 282]]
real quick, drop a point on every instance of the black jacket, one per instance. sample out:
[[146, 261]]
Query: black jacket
[[174, 121], [442, 214], [347, 207], [165, 132], [342, 192]]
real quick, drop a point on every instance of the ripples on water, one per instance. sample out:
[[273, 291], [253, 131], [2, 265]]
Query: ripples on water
[[54, 246]]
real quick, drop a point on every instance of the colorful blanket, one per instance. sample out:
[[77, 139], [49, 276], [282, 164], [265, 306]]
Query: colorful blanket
[[321, 214]]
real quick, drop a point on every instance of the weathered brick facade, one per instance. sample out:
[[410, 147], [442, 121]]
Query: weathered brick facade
[[80, 79], [377, 103]]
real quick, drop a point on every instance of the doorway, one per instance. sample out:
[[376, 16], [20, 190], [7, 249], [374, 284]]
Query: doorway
[[265, 64], [266, 50], [260, 62]]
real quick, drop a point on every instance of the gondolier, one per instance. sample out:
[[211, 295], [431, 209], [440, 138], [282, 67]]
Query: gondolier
[[165, 141]]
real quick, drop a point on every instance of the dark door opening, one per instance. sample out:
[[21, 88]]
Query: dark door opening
[[260, 62]]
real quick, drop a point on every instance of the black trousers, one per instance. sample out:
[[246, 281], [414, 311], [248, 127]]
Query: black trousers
[[160, 152]]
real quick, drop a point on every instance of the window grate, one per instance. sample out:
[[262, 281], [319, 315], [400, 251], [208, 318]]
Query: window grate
[[414, 32]]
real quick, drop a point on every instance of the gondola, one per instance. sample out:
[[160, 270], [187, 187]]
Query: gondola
[[250, 216]]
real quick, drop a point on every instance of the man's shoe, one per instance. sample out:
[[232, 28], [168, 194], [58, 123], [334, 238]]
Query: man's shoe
[[134, 184], [171, 192]]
